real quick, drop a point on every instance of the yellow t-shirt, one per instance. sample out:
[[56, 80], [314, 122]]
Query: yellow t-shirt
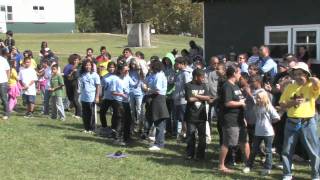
[[33, 63], [307, 108], [103, 68], [13, 77]]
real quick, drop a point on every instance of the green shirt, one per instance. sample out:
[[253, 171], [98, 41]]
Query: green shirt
[[56, 81]]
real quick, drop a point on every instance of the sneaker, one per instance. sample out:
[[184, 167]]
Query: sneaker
[[265, 172], [189, 158], [153, 139], [77, 117], [91, 132], [287, 178], [5, 117], [120, 142], [246, 170], [28, 115], [280, 166], [154, 148], [85, 131]]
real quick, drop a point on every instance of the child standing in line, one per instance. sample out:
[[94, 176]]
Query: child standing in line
[[196, 116], [265, 115], [89, 84], [13, 88], [57, 93], [28, 77], [45, 75]]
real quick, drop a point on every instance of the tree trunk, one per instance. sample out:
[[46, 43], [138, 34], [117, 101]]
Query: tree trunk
[[121, 17]]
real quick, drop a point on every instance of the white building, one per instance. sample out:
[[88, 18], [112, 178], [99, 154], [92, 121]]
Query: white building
[[31, 16]]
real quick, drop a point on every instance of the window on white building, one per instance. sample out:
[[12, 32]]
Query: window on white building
[[9, 13], [35, 8], [2, 8], [287, 39], [41, 8]]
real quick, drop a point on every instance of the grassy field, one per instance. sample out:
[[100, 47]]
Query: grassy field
[[65, 44], [41, 148]]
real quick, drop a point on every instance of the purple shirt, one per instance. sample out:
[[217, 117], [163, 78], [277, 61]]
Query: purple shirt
[[67, 69]]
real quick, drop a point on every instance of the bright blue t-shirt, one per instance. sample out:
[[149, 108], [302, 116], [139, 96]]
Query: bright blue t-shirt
[[87, 84]]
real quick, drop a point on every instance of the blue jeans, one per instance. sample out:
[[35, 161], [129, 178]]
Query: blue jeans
[[256, 148], [46, 102], [4, 98], [160, 126], [307, 132], [137, 111], [179, 117]]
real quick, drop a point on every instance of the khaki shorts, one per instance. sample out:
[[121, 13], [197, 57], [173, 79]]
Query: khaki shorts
[[232, 136]]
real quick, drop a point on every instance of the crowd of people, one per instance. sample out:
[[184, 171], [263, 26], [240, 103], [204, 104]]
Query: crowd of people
[[254, 99]]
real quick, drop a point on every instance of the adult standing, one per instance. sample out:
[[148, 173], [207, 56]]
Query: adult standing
[[4, 75], [233, 123], [195, 50], [254, 58], [211, 81], [71, 75], [298, 99], [267, 65], [158, 89], [242, 60]]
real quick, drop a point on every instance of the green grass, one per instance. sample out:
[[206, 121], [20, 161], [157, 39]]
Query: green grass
[[65, 44], [41, 148]]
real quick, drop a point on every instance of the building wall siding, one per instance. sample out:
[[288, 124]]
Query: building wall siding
[[28, 27], [240, 24]]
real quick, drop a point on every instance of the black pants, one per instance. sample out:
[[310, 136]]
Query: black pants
[[73, 95], [191, 139], [4, 98], [104, 106], [123, 118], [88, 115], [169, 125]]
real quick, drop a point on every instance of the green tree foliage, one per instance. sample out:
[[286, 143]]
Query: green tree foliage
[[85, 20], [165, 16]]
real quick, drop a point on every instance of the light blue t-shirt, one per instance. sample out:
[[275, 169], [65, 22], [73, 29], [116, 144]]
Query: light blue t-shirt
[[269, 65], [87, 84], [106, 85], [121, 85], [244, 67], [136, 84], [159, 83]]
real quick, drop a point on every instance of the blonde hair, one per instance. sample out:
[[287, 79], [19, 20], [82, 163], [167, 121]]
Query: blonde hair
[[265, 100]]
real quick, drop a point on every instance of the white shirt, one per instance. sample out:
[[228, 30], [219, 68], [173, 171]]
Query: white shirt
[[4, 67], [143, 65], [26, 75]]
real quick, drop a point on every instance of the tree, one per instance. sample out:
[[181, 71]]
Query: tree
[[166, 16], [85, 20]]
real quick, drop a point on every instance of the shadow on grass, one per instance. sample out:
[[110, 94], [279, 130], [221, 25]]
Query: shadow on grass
[[107, 141], [58, 127]]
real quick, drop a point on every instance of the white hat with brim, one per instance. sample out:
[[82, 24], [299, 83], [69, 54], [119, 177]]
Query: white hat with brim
[[301, 65]]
